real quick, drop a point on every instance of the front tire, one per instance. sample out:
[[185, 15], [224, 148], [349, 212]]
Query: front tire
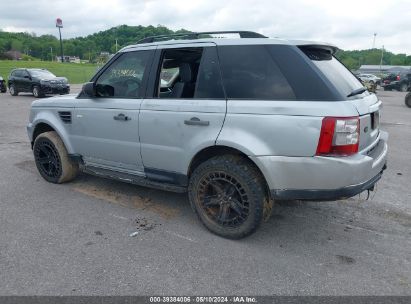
[[229, 195], [13, 91], [403, 87], [408, 100], [52, 159], [37, 92]]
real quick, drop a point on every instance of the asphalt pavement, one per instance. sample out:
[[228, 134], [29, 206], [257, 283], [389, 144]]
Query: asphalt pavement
[[74, 238]]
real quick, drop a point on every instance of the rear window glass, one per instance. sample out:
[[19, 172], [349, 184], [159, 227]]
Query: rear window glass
[[209, 77], [342, 79], [249, 72]]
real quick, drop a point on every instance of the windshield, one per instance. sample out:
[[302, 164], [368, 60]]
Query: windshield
[[343, 80], [44, 74]]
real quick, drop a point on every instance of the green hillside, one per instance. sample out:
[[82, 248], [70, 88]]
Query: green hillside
[[87, 48], [90, 47]]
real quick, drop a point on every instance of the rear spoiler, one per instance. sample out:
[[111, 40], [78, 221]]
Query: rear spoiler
[[328, 47]]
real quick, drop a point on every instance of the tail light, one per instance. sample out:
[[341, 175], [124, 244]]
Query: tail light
[[398, 77], [339, 136]]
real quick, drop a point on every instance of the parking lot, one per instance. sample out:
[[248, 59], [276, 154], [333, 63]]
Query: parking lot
[[74, 239]]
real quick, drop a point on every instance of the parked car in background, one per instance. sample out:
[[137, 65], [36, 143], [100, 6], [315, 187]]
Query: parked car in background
[[3, 86], [40, 82], [236, 123], [408, 100], [399, 81], [370, 78]]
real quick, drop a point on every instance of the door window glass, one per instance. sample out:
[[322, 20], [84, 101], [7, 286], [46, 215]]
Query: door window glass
[[189, 73], [209, 84]]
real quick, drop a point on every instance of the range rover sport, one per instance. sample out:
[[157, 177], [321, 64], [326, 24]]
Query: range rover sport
[[236, 123]]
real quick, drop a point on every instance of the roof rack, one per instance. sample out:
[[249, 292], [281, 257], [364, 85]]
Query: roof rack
[[195, 35]]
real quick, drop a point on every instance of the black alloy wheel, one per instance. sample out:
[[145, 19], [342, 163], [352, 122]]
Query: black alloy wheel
[[229, 195], [47, 159], [223, 199]]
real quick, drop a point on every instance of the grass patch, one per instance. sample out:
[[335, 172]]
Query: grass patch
[[75, 72]]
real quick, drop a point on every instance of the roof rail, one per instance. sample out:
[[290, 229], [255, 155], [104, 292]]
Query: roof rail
[[195, 35]]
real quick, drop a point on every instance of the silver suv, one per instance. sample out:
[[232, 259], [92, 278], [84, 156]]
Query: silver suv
[[236, 123]]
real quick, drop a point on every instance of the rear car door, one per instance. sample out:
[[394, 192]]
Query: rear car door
[[105, 128], [184, 112], [25, 81]]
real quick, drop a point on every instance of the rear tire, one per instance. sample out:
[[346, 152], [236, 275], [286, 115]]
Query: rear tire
[[52, 159], [229, 196], [37, 92], [13, 91], [408, 100]]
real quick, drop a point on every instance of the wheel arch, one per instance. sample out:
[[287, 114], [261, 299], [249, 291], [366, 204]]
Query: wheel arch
[[216, 150], [42, 126]]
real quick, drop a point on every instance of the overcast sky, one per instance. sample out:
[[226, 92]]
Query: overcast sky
[[349, 24]]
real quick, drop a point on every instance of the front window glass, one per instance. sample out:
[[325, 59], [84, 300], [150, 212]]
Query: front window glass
[[124, 77]]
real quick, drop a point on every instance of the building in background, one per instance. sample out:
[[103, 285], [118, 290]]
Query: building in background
[[386, 69], [71, 59]]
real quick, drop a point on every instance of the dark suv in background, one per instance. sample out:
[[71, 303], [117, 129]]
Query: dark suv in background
[[3, 87], [399, 81], [37, 81]]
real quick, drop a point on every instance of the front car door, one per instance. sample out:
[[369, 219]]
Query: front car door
[[105, 130], [184, 111], [18, 80]]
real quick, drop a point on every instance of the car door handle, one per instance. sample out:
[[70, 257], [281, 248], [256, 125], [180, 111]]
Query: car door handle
[[195, 121], [121, 117]]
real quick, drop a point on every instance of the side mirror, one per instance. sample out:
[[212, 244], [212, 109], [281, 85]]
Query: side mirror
[[89, 89], [27, 76]]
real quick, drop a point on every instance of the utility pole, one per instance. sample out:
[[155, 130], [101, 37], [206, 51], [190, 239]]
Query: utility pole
[[116, 45], [373, 43], [51, 51], [59, 24], [382, 54]]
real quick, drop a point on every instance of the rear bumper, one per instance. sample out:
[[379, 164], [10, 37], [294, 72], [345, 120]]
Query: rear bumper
[[327, 195], [324, 178]]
